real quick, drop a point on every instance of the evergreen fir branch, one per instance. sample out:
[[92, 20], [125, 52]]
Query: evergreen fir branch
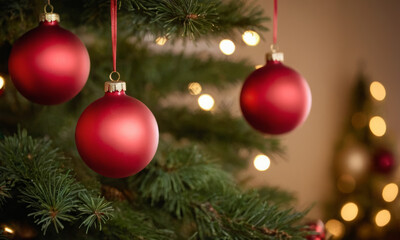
[[172, 179], [51, 194], [181, 18], [215, 132], [129, 224], [171, 18], [4, 192], [274, 195], [240, 216], [96, 211], [52, 200]]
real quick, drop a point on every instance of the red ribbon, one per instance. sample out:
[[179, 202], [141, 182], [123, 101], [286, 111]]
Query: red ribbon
[[275, 21], [113, 9]]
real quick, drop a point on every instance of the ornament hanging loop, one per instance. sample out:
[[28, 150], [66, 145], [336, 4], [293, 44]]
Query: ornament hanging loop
[[274, 47], [118, 76], [50, 6]]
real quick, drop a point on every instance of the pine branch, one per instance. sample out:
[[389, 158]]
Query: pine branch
[[52, 200], [4, 192], [172, 18], [188, 186], [96, 211], [47, 190], [221, 135]]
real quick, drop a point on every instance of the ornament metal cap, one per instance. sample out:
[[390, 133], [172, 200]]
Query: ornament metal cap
[[114, 86], [275, 56], [49, 17]]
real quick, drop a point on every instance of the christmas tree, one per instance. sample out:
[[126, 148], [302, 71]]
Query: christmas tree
[[188, 191], [364, 164]]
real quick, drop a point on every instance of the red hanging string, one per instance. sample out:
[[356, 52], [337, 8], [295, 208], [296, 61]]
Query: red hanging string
[[275, 21], [113, 9]]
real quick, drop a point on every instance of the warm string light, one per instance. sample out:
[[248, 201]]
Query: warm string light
[[335, 228], [227, 47], [258, 66], [161, 41], [2, 82], [251, 38], [8, 230], [377, 91], [390, 192], [377, 125], [206, 102], [349, 211], [262, 162], [194, 88], [382, 218]]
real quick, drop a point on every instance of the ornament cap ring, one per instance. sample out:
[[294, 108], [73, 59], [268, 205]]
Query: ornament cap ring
[[48, 5], [111, 76]]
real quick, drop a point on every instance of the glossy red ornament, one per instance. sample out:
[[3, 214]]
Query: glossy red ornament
[[117, 135], [49, 65], [318, 228], [275, 99], [384, 161]]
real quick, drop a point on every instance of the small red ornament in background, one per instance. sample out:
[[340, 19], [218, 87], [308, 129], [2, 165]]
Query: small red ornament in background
[[275, 99], [117, 135], [49, 65], [317, 227], [384, 161]]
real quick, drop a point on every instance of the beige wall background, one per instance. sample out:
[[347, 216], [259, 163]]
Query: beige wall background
[[325, 41]]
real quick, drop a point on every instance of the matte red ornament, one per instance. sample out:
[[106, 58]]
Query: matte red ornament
[[318, 228], [275, 99], [117, 135], [49, 65], [384, 161]]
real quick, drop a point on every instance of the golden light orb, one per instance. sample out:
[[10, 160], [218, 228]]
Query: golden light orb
[[349, 211], [335, 228], [194, 88], [261, 162], [382, 218], [377, 90], [227, 47], [390, 192], [161, 41], [206, 102], [377, 125], [2, 82], [251, 38]]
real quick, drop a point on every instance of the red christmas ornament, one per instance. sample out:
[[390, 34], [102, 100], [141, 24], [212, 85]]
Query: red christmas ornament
[[49, 65], [318, 228], [117, 135], [384, 161], [275, 99]]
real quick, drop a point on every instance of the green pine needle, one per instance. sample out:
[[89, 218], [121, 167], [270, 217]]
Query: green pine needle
[[95, 211]]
